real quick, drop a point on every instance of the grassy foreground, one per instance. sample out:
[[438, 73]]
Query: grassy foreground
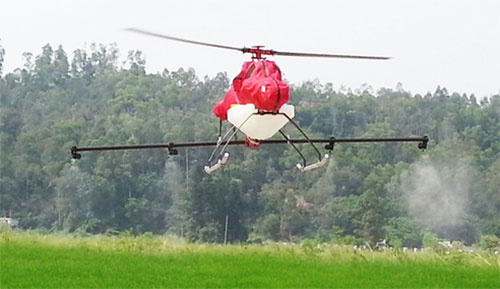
[[37, 261]]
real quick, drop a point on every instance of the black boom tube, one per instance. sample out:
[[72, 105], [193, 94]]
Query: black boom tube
[[172, 147]]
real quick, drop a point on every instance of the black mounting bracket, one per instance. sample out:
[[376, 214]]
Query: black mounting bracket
[[75, 154], [423, 144], [172, 150], [331, 144]]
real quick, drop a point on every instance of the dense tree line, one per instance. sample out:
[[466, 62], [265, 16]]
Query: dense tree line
[[368, 192]]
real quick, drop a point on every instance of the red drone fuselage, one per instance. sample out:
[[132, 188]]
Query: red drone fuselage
[[259, 83]]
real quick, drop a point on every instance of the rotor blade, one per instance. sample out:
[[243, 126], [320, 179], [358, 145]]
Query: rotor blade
[[248, 50], [141, 31], [273, 52]]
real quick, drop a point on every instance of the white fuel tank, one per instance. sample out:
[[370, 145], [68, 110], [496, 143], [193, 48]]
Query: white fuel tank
[[258, 126]]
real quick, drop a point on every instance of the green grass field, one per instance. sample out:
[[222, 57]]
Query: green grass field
[[52, 261]]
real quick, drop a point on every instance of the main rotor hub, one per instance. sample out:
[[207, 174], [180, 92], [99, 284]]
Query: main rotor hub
[[257, 52]]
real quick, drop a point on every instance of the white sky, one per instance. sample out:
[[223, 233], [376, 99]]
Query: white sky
[[455, 44]]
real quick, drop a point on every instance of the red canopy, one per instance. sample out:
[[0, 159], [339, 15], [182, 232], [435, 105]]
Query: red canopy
[[259, 83]]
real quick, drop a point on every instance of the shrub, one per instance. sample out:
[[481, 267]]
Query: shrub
[[208, 234], [431, 241], [489, 242]]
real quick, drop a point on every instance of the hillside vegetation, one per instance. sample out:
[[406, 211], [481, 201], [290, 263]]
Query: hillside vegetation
[[366, 193]]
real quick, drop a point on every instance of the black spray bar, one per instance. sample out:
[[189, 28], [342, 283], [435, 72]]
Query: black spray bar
[[172, 147]]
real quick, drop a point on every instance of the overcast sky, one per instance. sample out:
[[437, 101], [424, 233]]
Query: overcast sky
[[455, 44]]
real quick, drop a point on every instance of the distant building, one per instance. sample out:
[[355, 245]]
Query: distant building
[[9, 221]]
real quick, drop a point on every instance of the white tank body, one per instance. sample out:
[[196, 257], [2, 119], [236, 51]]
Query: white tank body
[[258, 126]]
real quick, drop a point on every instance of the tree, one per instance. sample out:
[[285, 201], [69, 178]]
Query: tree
[[104, 57], [136, 62], [81, 65], [98, 60], [2, 54], [61, 66], [73, 200], [44, 69]]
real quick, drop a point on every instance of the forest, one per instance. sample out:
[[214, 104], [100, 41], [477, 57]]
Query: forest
[[366, 193]]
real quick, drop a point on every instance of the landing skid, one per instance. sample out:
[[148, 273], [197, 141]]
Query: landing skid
[[220, 147], [223, 142]]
